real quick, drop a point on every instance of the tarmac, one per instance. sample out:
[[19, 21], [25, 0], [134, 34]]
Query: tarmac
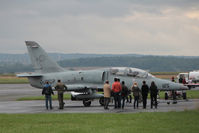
[[10, 92]]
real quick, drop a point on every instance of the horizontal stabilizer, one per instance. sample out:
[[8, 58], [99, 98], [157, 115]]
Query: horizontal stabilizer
[[29, 75]]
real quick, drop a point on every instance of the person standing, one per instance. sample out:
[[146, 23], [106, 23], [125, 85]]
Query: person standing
[[184, 80], [60, 87], [173, 92], [129, 97], [153, 94], [173, 79], [124, 93], [145, 90], [180, 80], [136, 91], [107, 94], [47, 91], [116, 88]]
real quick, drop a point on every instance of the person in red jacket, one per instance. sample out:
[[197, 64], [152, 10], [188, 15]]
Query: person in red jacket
[[116, 88], [184, 81]]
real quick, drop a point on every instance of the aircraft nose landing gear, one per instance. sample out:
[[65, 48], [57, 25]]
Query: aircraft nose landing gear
[[87, 103], [101, 101]]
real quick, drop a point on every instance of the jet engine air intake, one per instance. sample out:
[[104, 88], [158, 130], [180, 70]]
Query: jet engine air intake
[[95, 76]]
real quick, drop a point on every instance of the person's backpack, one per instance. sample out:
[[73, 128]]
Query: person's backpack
[[47, 90]]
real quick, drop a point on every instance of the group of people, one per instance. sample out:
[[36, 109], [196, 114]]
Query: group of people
[[47, 91], [120, 93], [182, 80]]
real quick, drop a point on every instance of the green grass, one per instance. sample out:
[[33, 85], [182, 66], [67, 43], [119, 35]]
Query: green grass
[[54, 97], [165, 73], [7, 74], [13, 80], [170, 122], [191, 94]]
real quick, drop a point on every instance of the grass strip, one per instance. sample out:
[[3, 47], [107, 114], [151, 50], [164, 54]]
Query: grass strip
[[165, 73], [191, 94], [13, 80], [169, 122], [42, 97]]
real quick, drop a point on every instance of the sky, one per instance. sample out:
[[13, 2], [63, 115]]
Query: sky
[[152, 27]]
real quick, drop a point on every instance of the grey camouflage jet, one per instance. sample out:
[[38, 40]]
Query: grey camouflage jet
[[85, 84]]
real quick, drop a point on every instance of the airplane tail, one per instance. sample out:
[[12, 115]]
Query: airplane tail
[[40, 59]]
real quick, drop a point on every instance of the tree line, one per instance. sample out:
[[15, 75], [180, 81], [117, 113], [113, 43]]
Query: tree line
[[150, 63]]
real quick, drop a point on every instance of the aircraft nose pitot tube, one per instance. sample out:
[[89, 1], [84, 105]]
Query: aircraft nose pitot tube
[[183, 87], [177, 86]]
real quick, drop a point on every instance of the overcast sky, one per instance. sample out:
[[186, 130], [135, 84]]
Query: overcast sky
[[158, 27]]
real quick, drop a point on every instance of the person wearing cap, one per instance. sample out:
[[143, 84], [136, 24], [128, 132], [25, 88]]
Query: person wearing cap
[[116, 88], [145, 90], [107, 94], [136, 91]]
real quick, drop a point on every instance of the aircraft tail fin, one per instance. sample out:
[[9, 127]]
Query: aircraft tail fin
[[41, 62]]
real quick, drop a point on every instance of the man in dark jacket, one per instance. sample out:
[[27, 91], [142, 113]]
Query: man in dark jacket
[[145, 90], [153, 94], [47, 91], [124, 93], [180, 79]]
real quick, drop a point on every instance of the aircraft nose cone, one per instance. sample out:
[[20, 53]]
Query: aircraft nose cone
[[183, 87]]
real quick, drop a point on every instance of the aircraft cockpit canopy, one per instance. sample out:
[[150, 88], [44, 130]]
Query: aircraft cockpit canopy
[[127, 71]]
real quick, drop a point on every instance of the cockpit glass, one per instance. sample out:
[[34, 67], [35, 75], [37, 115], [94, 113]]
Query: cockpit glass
[[132, 72]]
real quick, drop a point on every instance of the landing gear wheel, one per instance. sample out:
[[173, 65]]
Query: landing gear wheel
[[87, 103], [184, 95], [101, 101]]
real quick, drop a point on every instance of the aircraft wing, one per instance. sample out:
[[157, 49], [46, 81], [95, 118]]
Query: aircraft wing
[[84, 87]]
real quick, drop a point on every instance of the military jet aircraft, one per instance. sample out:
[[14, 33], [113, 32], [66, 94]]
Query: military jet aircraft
[[84, 84]]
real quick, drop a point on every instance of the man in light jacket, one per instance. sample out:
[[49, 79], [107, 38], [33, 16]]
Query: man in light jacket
[[107, 94]]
